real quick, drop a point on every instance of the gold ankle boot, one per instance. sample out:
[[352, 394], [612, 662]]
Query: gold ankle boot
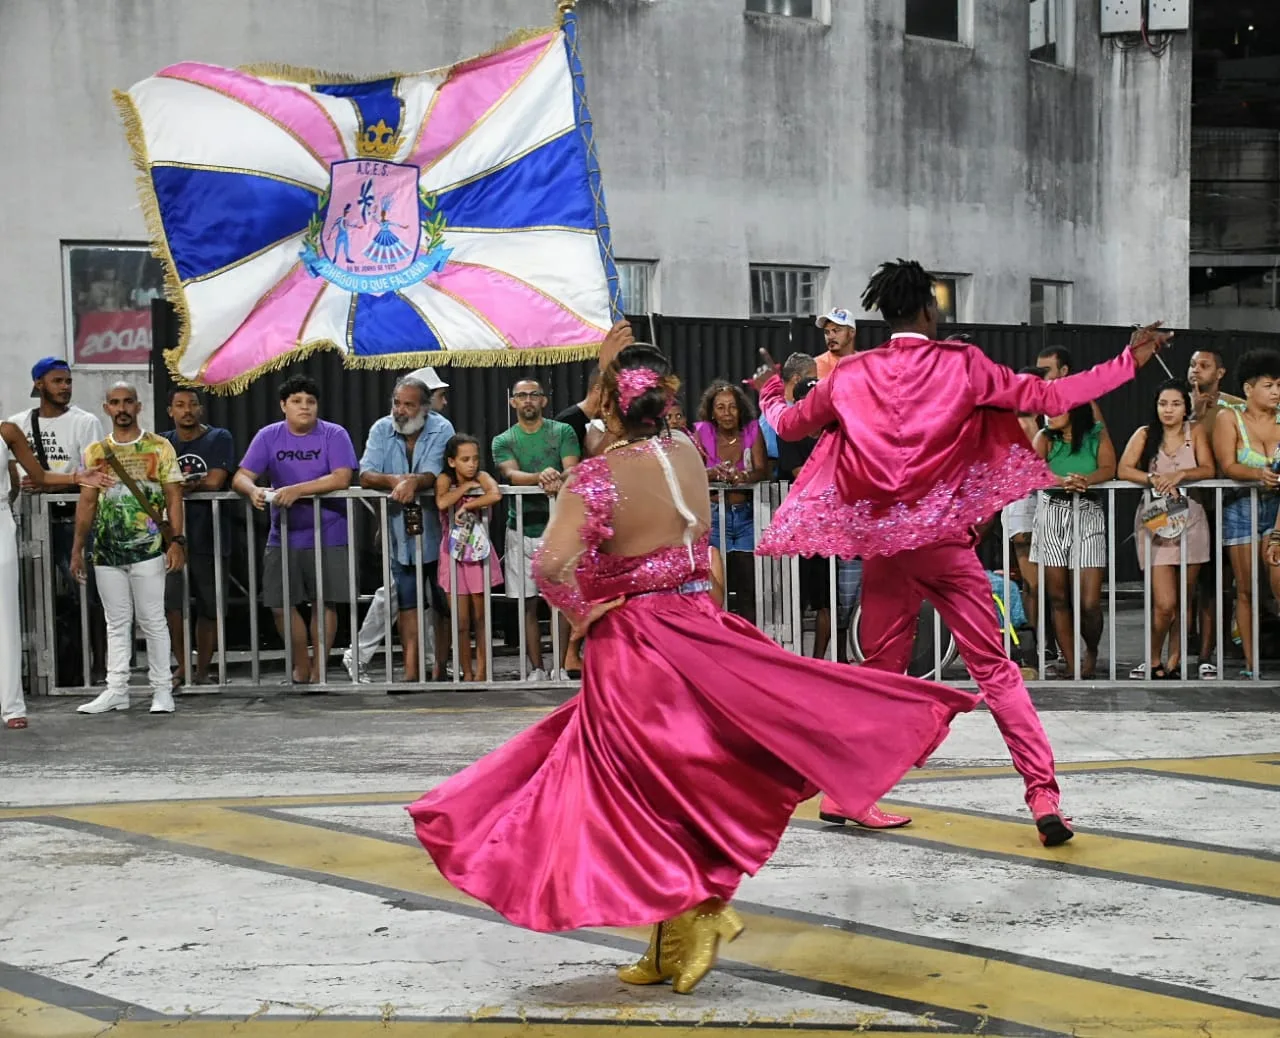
[[661, 960], [713, 921]]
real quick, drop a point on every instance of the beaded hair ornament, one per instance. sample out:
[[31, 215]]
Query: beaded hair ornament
[[634, 383]]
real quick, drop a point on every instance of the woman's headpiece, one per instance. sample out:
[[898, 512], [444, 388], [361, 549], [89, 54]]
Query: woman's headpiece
[[634, 383]]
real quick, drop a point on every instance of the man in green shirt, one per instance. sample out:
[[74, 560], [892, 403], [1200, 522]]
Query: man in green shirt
[[535, 452]]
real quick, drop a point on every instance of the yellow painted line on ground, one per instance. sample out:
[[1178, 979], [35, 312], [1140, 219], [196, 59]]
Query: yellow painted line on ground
[[77, 1026], [22, 1017], [1250, 766], [1124, 856], [1242, 769], [293, 800], [948, 979]]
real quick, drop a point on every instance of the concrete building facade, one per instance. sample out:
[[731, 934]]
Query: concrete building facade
[[729, 138]]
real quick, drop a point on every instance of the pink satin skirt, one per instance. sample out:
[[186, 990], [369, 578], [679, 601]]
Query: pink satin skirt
[[674, 771]]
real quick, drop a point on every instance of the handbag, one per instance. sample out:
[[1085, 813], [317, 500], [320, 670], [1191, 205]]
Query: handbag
[[162, 524], [469, 536], [1165, 516]]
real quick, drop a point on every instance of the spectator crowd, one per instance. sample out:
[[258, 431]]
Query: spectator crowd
[[140, 557]]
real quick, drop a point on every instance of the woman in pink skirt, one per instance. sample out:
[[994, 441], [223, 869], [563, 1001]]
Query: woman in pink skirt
[[646, 797], [469, 493]]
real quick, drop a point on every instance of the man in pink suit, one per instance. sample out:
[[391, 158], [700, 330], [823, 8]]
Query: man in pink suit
[[921, 444]]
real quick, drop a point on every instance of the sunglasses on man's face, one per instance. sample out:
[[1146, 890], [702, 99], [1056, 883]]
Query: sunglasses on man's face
[[526, 396]]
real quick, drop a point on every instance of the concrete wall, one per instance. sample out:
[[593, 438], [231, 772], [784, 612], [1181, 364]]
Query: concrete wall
[[725, 139]]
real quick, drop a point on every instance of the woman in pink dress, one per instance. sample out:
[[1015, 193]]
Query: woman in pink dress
[[646, 797], [1163, 454]]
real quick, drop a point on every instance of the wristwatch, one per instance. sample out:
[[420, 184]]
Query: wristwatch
[[179, 539]]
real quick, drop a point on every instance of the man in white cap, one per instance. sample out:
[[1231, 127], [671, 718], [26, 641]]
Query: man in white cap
[[372, 631], [437, 386], [840, 330]]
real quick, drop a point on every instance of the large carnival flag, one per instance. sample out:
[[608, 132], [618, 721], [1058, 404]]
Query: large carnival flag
[[454, 216]]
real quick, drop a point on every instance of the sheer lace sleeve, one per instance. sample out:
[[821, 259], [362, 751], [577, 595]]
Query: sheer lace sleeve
[[580, 524]]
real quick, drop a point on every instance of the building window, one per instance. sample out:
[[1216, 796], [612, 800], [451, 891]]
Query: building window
[[108, 291], [786, 291], [1050, 302], [948, 292], [937, 19], [1236, 287], [815, 10], [637, 284], [1052, 30]]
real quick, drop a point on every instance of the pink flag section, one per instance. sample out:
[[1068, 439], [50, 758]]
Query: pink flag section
[[472, 90], [523, 316], [292, 109], [272, 329]]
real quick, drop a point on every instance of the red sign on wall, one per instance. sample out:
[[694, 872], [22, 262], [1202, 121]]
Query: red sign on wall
[[114, 337]]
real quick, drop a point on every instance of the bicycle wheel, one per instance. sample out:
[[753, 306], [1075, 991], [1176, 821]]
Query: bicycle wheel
[[922, 651]]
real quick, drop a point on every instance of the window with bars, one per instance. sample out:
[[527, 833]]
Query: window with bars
[[786, 291], [1050, 302], [815, 10], [637, 281]]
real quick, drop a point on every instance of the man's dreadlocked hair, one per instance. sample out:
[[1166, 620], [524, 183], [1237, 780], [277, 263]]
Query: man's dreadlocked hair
[[899, 290]]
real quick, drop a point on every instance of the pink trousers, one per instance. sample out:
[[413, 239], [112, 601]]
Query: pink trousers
[[952, 579]]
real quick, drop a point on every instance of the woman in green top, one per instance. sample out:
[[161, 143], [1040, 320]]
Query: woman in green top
[[1080, 454]]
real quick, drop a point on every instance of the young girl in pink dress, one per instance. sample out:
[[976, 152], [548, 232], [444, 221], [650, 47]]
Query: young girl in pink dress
[[469, 492], [646, 797]]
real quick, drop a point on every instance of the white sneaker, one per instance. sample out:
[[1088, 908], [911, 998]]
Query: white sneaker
[[537, 675], [349, 661], [107, 700], [162, 702], [564, 675]]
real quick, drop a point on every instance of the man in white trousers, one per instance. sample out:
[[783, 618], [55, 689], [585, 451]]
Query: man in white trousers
[[131, 523]]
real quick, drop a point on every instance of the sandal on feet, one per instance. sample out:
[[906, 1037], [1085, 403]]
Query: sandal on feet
[[16, 722]]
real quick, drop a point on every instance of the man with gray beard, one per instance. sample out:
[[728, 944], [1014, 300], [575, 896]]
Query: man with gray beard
[[403, 456]]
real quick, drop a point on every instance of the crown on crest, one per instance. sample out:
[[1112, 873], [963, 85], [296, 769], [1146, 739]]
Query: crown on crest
[[379, 141]]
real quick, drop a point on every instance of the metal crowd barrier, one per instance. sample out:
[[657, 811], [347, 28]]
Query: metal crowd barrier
[[41, 594], [775, 594]]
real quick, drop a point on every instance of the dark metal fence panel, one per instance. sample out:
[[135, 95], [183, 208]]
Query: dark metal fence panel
[[701, 350]]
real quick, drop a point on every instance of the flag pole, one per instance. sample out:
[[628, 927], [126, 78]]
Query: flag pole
[[563, 7]]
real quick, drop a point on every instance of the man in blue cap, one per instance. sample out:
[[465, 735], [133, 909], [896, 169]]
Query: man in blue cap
[[59, 433]]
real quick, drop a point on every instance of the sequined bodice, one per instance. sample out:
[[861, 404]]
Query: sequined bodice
[[574, 577], [602, 576]]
